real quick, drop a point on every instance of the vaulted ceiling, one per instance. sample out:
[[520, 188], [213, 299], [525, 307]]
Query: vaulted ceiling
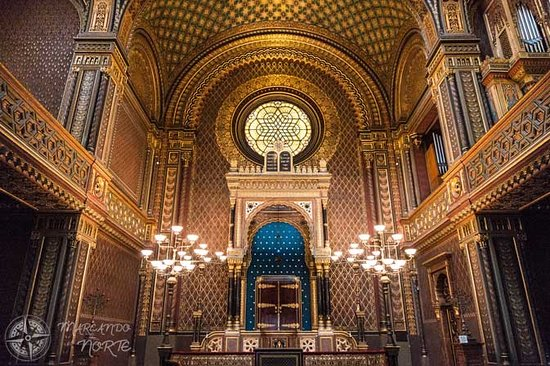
[[373, 26]]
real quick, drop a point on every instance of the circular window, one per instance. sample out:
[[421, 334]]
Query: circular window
[[277, 114], [277, 121]]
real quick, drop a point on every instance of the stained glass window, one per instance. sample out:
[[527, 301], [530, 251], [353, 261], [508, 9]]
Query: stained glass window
[[277, 121]]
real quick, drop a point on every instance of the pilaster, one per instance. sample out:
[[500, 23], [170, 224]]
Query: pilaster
[[406, 172], [375, 147], [503, 92], [53, 276], [453, 70], [177, 149], [179, 146], [94, 87], [493, 245]]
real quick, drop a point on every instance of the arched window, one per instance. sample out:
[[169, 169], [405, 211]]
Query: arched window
[[529, 30]]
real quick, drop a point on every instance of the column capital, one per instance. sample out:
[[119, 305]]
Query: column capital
[[181, 140], [453, 53], [93, 52]]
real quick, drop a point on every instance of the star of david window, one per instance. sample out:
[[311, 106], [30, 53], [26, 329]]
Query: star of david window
[[274, 115], [278, 121]]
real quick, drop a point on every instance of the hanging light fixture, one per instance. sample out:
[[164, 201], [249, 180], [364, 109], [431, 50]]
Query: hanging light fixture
[[174, 255], [380, 253]]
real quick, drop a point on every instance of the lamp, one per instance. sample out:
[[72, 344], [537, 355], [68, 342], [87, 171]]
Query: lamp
[[171, 257], [174, 255], [380, 254]]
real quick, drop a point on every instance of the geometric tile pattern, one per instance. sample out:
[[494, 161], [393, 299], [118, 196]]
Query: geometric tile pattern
[[181, 25], [346, 291], [39, 55], [347, 219], [113, 271], [209, 213], [206, 290], [127, 158]]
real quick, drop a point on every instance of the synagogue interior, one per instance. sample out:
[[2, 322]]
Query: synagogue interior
[[274, 182]]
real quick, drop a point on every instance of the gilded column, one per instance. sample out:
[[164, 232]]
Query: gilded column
[[453, 70], [56, 267], [94, 86]]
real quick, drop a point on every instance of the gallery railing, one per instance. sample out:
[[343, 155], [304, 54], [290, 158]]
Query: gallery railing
[[365, 358], [34, 144]]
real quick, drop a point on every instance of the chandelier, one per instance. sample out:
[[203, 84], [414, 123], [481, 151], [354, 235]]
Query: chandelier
[[380, 253], [175, 254]]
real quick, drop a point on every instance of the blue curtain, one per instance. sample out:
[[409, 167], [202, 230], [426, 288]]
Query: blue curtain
[[278, 249]]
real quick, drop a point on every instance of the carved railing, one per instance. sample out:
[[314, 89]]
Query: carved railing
[[512, 151], [366, 358], [37, 146], [31, 128], [206, 359]]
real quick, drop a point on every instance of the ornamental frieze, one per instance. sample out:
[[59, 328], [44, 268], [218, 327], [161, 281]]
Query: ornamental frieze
[[31, 125]]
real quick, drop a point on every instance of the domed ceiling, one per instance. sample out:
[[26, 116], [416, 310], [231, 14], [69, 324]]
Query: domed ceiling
[[373, 26]]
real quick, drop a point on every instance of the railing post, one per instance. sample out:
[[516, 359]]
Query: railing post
[[392, 354]]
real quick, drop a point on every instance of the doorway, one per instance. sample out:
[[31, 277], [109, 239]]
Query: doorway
[[448, 320], [278, 258], [278, 303]]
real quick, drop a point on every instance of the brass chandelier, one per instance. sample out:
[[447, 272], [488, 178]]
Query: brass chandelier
[[174, 254]]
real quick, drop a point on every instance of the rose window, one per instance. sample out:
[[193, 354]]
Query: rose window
[[277, 121]]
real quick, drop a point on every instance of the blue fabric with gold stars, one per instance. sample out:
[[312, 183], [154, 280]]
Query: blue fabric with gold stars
[[278, 249]]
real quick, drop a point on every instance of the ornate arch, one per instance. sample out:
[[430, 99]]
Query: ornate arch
[[305, 230], [409, 82], [144, 73], [82, 8], [360, 84]]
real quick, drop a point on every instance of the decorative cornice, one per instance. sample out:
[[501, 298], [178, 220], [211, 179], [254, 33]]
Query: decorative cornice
[[297, 184]]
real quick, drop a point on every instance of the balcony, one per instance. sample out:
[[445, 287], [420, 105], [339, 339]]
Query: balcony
[[505, 170], [47, 168]]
